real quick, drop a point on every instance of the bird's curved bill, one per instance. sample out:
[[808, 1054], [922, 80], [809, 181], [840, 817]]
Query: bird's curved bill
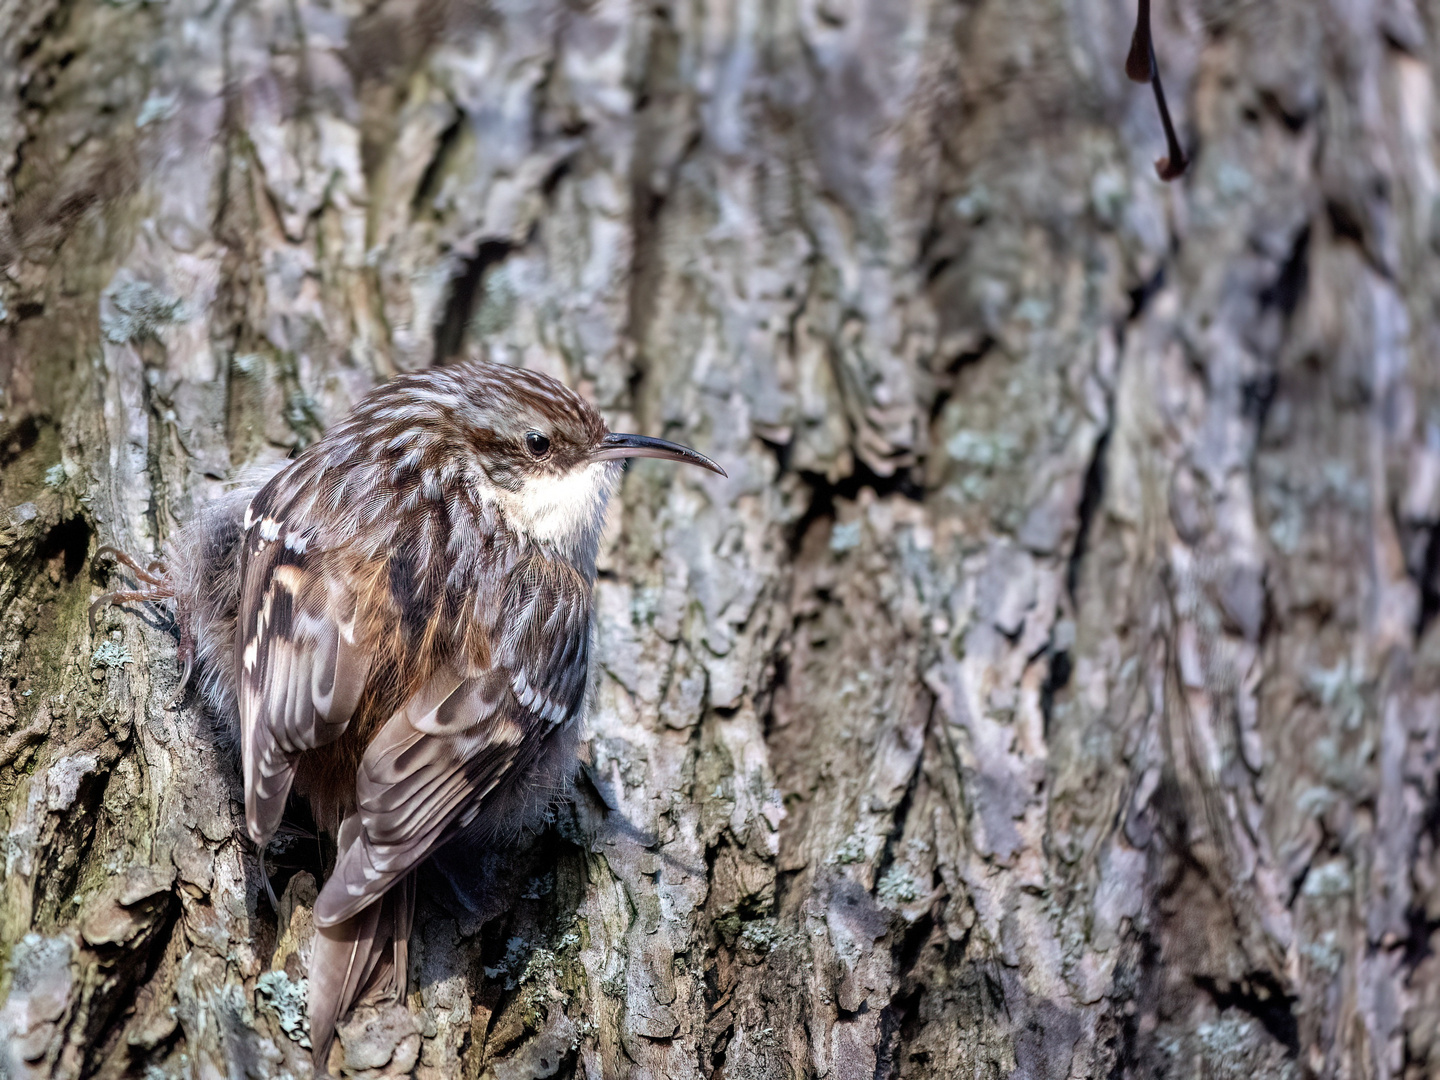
[[619, 445]]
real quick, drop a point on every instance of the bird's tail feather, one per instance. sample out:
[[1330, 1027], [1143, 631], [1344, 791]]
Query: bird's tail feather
[[366, 956]]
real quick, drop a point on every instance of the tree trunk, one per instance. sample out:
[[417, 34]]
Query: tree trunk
[[1052, 690]]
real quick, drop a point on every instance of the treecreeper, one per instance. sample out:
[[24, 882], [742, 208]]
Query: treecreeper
[[396, 627]]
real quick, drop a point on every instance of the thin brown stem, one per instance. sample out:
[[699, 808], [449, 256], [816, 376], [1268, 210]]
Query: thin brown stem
[[1141, 66], [1175, 162]]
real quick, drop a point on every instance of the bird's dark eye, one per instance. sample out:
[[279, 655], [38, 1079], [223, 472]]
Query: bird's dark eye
[[537, 444]]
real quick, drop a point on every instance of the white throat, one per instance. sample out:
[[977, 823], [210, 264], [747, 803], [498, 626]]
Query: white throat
[[566, 511]]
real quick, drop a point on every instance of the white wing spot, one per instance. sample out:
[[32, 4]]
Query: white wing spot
[[296, 542], [531, 698], [269, 529]]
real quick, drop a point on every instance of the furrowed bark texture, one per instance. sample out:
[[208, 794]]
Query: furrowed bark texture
[[1052, 690]]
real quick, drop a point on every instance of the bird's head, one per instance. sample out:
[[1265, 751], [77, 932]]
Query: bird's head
[[550, 457]]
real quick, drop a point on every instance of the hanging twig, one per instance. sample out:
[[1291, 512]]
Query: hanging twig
[[1142, 67]]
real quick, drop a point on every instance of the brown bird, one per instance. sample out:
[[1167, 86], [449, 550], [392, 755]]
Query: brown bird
[[398, 627]]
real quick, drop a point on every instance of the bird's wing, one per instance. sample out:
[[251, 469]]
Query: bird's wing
[[300, 668], [430, 768]]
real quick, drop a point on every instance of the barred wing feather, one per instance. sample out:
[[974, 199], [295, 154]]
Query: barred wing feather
[[301, 670], [427, 773]]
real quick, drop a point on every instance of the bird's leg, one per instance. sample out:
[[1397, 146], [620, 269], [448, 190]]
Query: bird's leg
[[269, 888], [286, 830], [125, 596], [144, 573], [157, 587], [185, 652]]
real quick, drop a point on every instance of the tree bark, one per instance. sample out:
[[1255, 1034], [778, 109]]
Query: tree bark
[[1053, 688]]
